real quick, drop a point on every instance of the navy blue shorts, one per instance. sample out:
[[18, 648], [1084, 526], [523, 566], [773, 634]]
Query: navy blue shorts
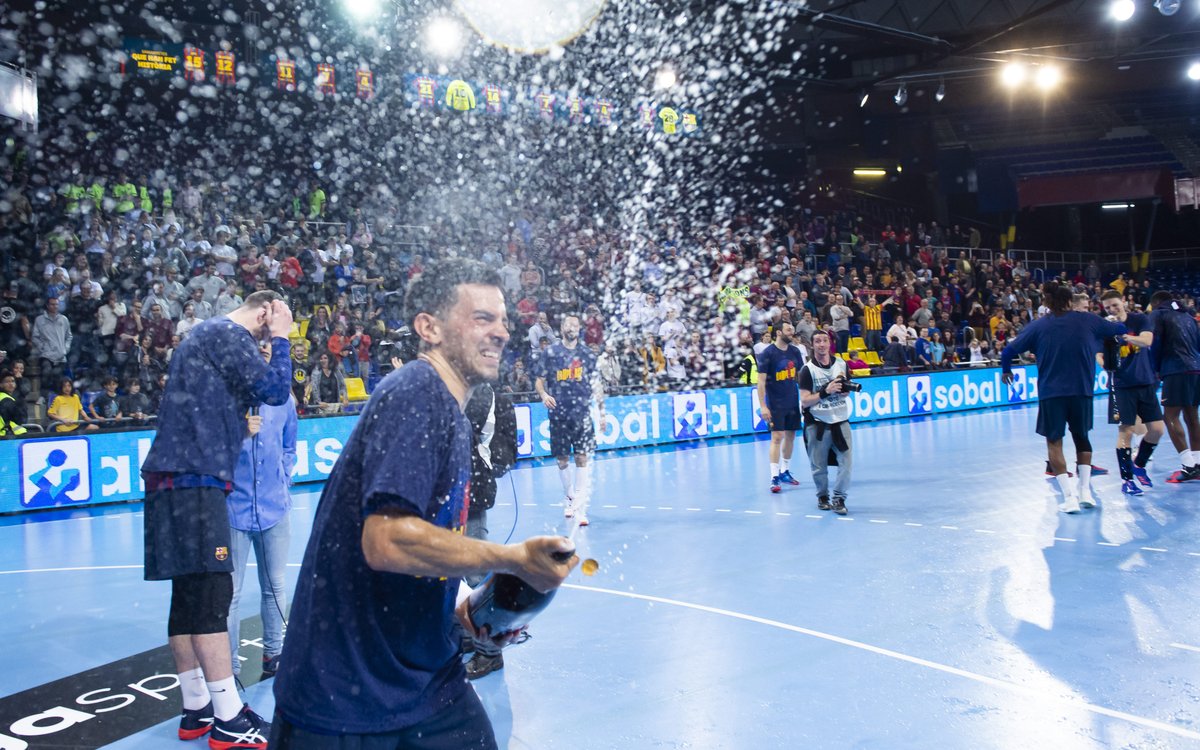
[[785, 421], [463, 725], [1182, 389], [186, 532], [1058, 414], [571, 432], [1140, 402]]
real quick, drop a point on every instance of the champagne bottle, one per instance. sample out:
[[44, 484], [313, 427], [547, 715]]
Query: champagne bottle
[[504, 603]]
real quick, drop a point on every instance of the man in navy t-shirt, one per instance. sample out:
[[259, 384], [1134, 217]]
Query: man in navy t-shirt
[[779, 400], [371, 657], [567, 379], [1176, 355], [1065, 343], [1135, 387], [216, 376]]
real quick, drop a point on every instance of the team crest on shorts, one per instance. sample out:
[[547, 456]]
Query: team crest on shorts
[[222, 553]]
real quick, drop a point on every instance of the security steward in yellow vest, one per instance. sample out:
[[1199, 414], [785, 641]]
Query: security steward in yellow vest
[[11, 411]]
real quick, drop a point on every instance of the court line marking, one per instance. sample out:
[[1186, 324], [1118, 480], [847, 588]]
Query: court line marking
[[918, 661], [1186, 647], [1154, 549], [910, 523], [99, 567], [984, 531], [1064, 539], [950, 528]]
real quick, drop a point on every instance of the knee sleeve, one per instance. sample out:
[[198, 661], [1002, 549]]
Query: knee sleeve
[[1082, 444], [200, 604]]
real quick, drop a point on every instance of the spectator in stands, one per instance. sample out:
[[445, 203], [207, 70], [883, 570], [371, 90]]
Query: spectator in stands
[[856, 365], [160, 329], [839, 317], [895, 355], [518, 380], [541, 329], [593, 327], [105, 409], [135, 405], [187, 322], [937, 349], [922, 352], [208, 282], [608, 365], [227, 301], [51, 338], [66, 411], [899, 332], [654, 364], [12, 407], [320, 328], [326, 387]]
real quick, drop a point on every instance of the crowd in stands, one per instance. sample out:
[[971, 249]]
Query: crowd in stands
[[116, 275]]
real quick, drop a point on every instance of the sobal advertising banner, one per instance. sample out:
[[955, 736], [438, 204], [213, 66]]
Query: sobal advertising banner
[[77, 470]]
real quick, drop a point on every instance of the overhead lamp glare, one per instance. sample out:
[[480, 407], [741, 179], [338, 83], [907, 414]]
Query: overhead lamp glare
[[941, 91], [862, 98], [870, 172], [1116, 206], [1048, 76], [901, 97], [1193, 71], [1122, 10], [1013, 74]]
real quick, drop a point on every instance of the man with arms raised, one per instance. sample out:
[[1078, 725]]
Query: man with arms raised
[[371, 658]]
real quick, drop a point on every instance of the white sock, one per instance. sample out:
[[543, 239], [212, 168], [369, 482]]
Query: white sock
[[225, 699], [195, 692], [1064, 484], [583, 487], [1085, 478], [774, 470], [567, 477], [1187, 459], [783, 464]]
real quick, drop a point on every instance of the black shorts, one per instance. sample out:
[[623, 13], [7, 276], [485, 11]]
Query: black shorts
[[1140, 402], [462, 724], [187, 531], [1182, 389], [785, 421], [571, 432], [1056, 415]]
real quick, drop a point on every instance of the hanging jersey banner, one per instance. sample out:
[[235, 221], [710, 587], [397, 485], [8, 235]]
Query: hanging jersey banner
[[285, 75], [193, 64], [226, 72], [460, 97], [326, 79], [365, 81]]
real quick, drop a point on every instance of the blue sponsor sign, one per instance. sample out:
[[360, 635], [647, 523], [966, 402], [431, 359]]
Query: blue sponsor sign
[[75, 470]]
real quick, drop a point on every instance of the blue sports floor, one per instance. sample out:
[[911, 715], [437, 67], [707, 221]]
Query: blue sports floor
[[953, 608]]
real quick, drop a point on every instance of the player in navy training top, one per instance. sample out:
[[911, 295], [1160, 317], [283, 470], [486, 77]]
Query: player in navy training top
[[371, 657], [1066, 343], [1176, 355], [779, 366], [567, 380], [1135, 388], [216, 376]]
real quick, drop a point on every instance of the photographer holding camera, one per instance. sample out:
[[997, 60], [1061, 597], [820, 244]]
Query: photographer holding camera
[[824, 384]]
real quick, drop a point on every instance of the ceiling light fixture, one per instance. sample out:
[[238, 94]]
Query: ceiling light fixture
[[941, 91], [1193, 71], [1048, 77], [862, 98], [1122, 10], [901, 97], [1013, 74], [1168, 7], [870, 172]]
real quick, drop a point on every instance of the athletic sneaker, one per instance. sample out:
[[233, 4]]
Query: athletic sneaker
[[195, 724], [786, 477], [1050, 472], [270, 666], [1086, 502], [839, 506], [1130, 487], [482, 666], [775, 484], [1098, 471], [583, 519], [247, 729], [1139, 473], [823, 503], [1070, 504], [1186, 474], [568, 507]]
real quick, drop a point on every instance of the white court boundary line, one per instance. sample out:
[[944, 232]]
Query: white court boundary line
[[984, 679], [101, 567]]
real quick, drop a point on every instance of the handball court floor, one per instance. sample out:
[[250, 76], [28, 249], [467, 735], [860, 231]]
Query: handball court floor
[[954, 607]]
